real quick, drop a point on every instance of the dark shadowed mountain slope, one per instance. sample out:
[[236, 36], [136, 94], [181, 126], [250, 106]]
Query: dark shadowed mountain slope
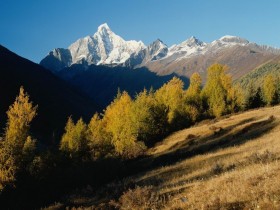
[[101, 83], [56, 99]]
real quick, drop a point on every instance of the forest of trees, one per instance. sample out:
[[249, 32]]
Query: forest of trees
[[129, 125]]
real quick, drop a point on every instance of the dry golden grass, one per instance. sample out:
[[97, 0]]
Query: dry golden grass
[[241, 176], [230, 163]]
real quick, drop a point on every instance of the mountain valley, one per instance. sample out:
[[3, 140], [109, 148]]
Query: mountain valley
[[122, 125]]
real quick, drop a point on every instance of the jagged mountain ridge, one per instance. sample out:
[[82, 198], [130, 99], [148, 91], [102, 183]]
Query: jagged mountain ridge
[[104, 47], [239, 54], [192, 55]]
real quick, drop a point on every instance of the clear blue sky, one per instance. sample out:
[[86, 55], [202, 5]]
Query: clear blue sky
[[32, 28]]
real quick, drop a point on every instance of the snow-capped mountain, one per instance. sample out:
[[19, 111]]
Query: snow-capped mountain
[[104, 47], [194, 47], [192, 55], [191, 46], [153, 52]]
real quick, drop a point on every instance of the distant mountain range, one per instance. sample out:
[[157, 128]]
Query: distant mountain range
[[192, 55]]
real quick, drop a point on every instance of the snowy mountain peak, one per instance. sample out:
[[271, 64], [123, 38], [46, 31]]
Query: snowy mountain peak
[[104, 31], [103, 27], [233, 39], [191, 46], [158, 44], [158, 41], [104, 47], [107, 48], [157, 50], [192, 42]]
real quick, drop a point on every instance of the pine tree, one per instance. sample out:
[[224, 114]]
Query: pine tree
[[17, 147], [8, 166], [193, 99], [98, 139], [236, 99], [74, 141], [216, 90], [254, 98], [119, 124], [149, 117], [194, 88], [67, 136], [20, 114], [141, 115], [269, 90], [172, 96]]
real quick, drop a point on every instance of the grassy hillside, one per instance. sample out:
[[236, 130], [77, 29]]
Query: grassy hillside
[[230, 163], [257, 75]]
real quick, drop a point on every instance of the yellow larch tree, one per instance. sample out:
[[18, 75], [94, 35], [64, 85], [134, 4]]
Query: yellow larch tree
[[17, 146]]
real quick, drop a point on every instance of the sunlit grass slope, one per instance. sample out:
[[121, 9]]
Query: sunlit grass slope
[[238, 166], [229, 163]]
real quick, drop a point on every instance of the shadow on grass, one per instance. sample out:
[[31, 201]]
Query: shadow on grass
[[216, 133], [230, 205], [230, 136], [65, 177], [239, 133]]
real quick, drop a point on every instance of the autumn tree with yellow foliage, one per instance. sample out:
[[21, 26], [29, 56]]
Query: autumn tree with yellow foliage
[[99, 142], [149, 117], [17, 147], [219, 95], [119, 124], [214, 92], [236, 99], [74, 142], [193, 98], [172, 95], [269, 90]]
